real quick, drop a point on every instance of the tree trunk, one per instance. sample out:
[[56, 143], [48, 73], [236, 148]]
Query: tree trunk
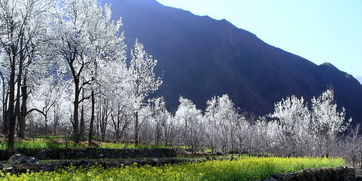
[[56, 122], [97, 123], [92, 120], [19, 86], [17, 104], [166, 136], [5, 121], [104, 121], [136, 128], [158, 133], [46, 124], [115, 126], [118, 131], [4, 108], [10, 113], [22, 123], [117, 134], [82, 124], [76, 132]]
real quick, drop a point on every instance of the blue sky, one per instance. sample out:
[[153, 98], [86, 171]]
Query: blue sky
[[318, 30]]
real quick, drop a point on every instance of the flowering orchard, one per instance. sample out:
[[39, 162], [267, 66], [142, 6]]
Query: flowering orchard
[[65, 70]]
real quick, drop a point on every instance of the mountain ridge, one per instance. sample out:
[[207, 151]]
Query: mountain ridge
[[201, 57], [359, 78]]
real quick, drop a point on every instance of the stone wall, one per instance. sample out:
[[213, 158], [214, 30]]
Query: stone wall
[[325, 174], [91, 153]]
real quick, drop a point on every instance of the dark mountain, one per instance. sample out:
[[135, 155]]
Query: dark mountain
[[200, 57]]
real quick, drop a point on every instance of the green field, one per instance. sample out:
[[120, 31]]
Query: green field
[[41, 143], [47, 143], [242, 169]]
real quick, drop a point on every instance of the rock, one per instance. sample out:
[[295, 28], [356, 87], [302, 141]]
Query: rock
[[9, 169], [41, 155], [18, 158], [183, 152], [61, 156], [156, 161], [33, 160], [219, 154], [80, 154], [21, 159]]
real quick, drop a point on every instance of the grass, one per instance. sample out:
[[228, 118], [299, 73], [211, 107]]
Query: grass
[[53, 137], [41, 143], [242, 169], [129, 146], [57, 142]]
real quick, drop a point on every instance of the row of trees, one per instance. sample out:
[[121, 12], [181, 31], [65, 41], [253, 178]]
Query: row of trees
[[294, 129], [66, 60]]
